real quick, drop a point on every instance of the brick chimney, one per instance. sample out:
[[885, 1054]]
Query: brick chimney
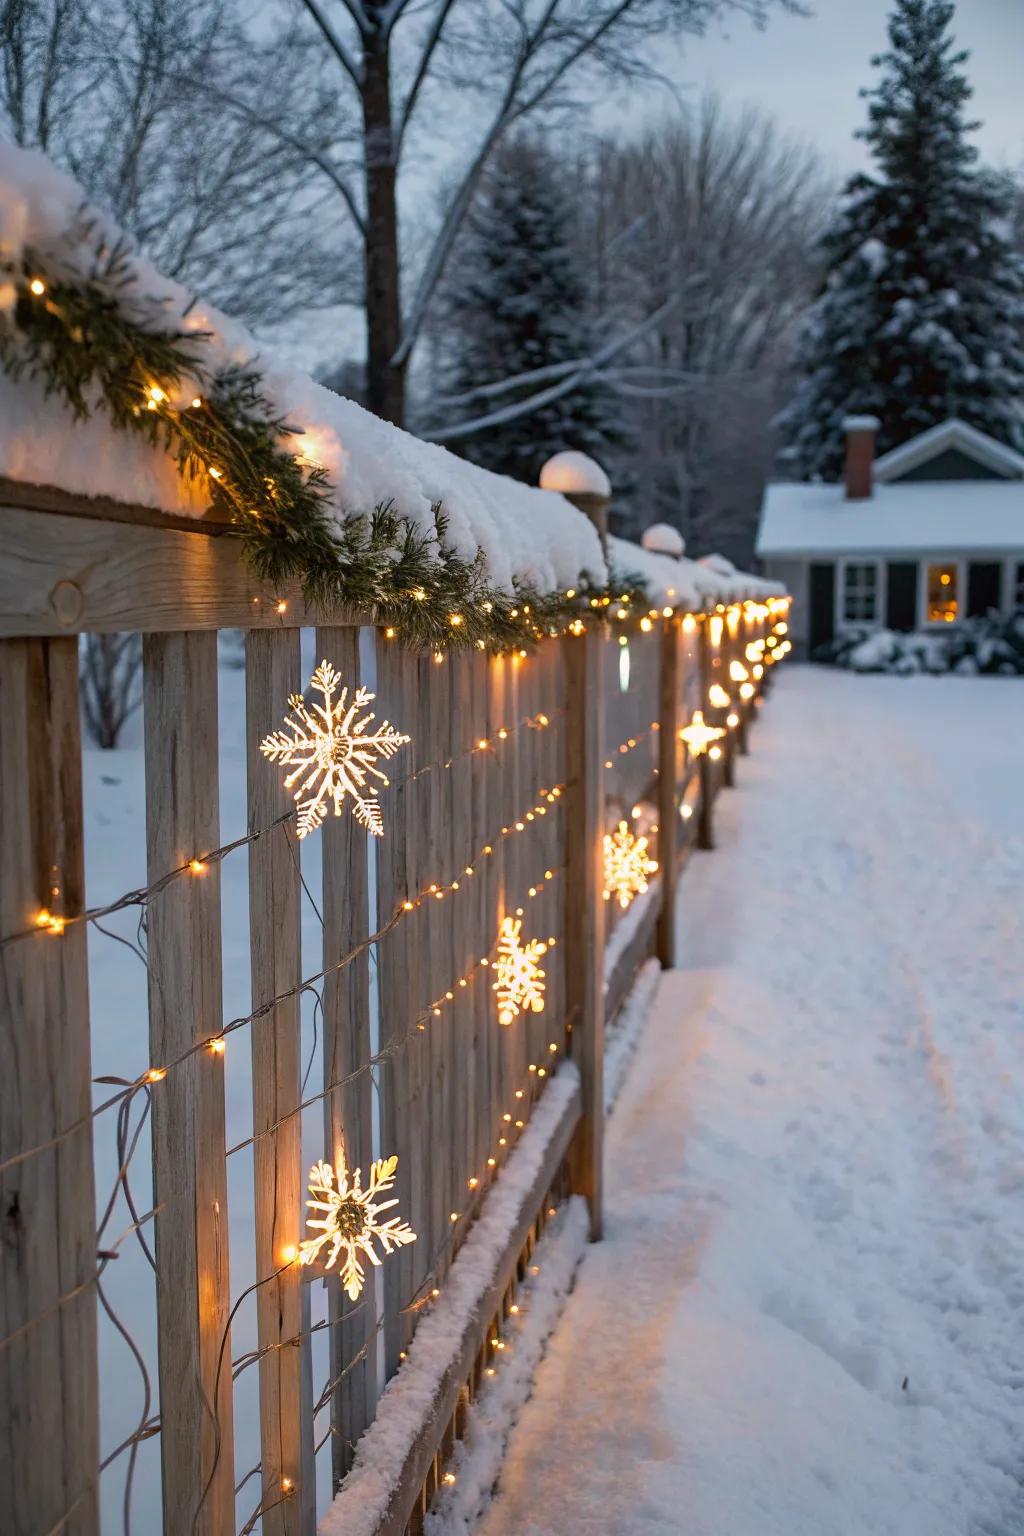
[[860, 455]]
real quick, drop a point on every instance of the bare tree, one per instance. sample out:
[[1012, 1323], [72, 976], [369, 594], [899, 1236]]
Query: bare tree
[[413, 67], [110, 667], [705, 222], [131, 96], [264, 157]]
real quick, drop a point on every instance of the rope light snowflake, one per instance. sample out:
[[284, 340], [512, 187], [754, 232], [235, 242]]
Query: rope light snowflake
[[335, 752], [349, 1224], [699, 736], [520, 981], [626, 865]]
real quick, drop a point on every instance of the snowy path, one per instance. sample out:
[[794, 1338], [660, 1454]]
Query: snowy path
[[807, 1318]]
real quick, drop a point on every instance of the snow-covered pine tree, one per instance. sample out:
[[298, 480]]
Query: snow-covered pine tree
[[516, 301], [922, 312]]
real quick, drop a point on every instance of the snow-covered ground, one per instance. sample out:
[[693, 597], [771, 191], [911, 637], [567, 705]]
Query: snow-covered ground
[[807, 1317]]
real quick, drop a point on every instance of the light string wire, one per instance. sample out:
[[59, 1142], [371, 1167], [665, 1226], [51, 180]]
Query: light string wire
[[417, 1026], [48, 925], [144, 1085], [459, 1222], [477, 1187], [148, 1426], [423, 1294], [631, 743], [141, 896], [435, 890]]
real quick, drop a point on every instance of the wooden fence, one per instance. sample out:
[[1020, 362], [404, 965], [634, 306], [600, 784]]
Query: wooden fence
[[515, 771]]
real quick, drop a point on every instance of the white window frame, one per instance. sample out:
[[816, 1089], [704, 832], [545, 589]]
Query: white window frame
[[1013, 565], [960, 564], [842, 622]]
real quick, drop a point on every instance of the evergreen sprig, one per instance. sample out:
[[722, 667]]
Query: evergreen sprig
[[100, 346]]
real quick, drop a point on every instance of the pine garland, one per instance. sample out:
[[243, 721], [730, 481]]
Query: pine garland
[[100, 346]]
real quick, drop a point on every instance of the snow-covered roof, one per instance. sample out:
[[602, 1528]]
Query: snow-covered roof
[[953, 433], [919, 516]]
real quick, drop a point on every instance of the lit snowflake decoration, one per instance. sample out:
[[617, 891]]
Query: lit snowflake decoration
[[520, 980], [698, 736], [335, 753], [349, 1223], [626, 865]]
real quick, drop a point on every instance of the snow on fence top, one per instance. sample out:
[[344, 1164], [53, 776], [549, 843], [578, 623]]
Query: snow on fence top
[[576, 473], [685, 583], [532, 537], [664, 540]]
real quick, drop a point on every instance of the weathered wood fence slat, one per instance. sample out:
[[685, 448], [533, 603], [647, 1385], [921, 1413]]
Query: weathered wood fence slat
[[185, 1011], [272, 672], [49, 1405]]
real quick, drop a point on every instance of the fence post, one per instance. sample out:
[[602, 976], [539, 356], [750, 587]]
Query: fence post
[[669, 710], [705, 822], [584, 906], [746, 705], [272, 673], [185, 1008], [49, 1406]]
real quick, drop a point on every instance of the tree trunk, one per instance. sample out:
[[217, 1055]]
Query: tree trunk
[[385, 380]]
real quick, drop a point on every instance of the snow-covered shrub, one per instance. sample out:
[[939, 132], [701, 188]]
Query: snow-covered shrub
[[990, 644]]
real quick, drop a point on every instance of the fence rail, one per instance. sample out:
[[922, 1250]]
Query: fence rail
[[497, 810]]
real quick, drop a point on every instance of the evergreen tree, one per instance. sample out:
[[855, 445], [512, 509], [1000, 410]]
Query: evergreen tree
[[922, 313], [517, 302]]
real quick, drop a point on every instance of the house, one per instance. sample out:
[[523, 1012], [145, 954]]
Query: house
[[925, 536]]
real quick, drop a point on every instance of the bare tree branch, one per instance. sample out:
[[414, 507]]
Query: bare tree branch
[[584, 369], [345, 57], [423, 68], [301, 146]]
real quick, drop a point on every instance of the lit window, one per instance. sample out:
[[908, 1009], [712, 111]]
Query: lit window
[[860, 593], [943, 601]]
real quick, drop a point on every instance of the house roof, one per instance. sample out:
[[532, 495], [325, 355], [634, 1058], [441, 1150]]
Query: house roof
[[915, 517], [953, 433]]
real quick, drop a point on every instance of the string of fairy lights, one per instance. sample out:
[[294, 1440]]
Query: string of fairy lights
[[333, 754], [426, 1293], [512, 1122], [55, 923], [198, 866], [697, 736], [435, 891], [546, 801], [340, 1215]]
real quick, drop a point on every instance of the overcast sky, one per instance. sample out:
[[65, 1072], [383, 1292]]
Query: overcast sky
[[807, 71]]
